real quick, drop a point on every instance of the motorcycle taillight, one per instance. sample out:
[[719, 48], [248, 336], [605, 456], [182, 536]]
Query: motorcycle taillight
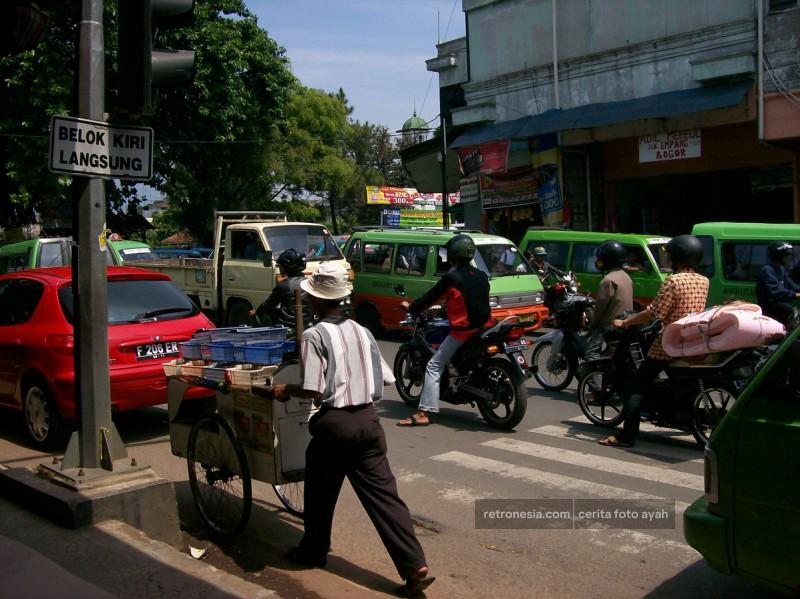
[[515, 334]]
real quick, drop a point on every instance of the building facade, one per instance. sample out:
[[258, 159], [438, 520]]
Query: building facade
[[665, 112]]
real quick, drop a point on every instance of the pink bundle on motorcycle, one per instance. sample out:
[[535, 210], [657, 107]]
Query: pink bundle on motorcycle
[[720, 328]]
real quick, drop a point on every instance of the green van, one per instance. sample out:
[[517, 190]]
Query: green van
[[748, 521], [393, 265], [734, 253], [574, 251], [57, 251]]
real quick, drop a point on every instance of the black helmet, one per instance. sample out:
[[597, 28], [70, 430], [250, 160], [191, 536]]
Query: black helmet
[[609, 255], [684, 250], [460, 246], [292, 262], [778, 250]]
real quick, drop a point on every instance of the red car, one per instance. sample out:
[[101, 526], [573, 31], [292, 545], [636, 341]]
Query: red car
[[147, 315]]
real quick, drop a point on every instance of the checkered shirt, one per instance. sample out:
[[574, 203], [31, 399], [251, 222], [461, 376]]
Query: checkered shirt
[[681, 294]]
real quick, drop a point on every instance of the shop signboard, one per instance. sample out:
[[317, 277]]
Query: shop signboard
[[546, 159], [469, 189], [407, 218], [670, 146], [486, 159], [406, 196]]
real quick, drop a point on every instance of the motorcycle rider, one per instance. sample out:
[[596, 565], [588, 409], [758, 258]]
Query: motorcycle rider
[[542, 266], [280, 305], [614, 293], [465, 289], [682, 293], [775, 288]]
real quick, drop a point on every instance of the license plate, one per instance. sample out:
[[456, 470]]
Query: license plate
[[525, 317], [152, 351], [515, 346]]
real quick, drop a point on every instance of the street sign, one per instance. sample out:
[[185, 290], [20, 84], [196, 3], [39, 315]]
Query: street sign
[[84, 147]]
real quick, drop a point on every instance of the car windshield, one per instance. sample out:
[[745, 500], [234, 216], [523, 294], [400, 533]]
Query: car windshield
[[314, 240], [134, 254], [501, 259], [660, 256], [137, 301]]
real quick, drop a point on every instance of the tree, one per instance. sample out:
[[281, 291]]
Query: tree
[[213, 137]]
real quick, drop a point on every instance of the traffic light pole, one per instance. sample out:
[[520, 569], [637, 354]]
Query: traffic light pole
[[97, 444]]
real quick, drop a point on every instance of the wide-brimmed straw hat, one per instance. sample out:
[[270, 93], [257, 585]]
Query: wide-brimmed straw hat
[[330, 281]]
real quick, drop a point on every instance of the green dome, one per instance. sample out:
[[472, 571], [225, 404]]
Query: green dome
[[415, 122]]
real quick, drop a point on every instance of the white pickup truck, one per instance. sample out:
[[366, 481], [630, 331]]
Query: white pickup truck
[[241, 272]]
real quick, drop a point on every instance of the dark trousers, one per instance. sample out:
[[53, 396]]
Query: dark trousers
[[351, 442], [641, 385]]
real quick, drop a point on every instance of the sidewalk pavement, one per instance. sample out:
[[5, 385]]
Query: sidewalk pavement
[[41, 560]]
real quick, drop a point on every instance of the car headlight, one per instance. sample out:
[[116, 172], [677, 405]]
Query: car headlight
[[494, 302]]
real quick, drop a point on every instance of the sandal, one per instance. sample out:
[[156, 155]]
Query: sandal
[[413, 421], [612, 441]]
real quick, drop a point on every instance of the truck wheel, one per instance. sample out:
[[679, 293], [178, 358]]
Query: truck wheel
[[238, 314]]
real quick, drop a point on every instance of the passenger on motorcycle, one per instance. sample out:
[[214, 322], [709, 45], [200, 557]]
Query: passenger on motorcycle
[[465, 289], [775, 288], [614, 293], [279, 306], [682, 293]]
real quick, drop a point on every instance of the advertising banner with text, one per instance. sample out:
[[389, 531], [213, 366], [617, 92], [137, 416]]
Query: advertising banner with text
[[406, 196]]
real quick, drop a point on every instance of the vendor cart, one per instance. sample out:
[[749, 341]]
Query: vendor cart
[[237, 435]]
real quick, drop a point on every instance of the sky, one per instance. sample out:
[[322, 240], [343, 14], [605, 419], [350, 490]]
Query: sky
[[373, 49]]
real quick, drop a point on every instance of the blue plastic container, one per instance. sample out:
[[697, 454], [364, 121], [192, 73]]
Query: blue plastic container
[[226, 351], [262, 334], [263, 353], [192, 350]]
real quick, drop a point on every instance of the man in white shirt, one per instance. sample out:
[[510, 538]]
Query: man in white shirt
[[344, 372]]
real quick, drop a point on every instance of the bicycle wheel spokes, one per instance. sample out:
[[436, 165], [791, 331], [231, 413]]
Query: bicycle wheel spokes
[[219, 476]]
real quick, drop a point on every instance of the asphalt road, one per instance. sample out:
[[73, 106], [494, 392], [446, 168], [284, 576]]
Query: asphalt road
[[442, 470]]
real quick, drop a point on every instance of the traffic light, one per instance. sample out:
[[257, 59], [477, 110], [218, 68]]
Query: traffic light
[[140, 66]]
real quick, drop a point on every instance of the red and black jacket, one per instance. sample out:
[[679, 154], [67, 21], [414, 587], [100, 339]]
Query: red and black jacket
[[465, 289]]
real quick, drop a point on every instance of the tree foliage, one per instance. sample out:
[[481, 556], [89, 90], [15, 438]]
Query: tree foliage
[[241, 132]]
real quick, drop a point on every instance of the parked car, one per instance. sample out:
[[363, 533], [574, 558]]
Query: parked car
[[57, 251], [574, 251], [147, 315]]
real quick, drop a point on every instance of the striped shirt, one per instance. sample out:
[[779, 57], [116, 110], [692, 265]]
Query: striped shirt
[[341, 360], [681, 294]]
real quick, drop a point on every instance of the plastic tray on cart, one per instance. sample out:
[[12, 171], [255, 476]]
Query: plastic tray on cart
[[262, 334], [217, 372], [267, 353], [203, 336], [224, 334], [191, 350], [226, 351]]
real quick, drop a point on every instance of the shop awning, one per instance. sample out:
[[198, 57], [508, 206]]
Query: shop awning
[[659, 106]]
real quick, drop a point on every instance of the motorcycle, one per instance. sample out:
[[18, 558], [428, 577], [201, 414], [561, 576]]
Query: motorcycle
[[555, 356], [487, 371], [693, 396]]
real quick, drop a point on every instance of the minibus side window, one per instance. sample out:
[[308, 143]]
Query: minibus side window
[[637, 260], [743, 261], [378, 257], [411, 260], [583, 257]]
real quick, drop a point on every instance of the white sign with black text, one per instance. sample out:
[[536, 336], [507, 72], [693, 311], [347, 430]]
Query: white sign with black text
[[670, 146], [84, 147]]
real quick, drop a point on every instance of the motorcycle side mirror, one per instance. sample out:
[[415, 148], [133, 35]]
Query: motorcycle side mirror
[[400, 290], [268, 259]]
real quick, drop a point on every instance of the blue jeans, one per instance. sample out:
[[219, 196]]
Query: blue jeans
[[429, 401]]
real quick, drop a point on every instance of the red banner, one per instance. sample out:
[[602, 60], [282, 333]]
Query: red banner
[[485, 159]]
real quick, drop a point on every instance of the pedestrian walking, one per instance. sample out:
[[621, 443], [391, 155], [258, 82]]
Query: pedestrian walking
[[343, 371]]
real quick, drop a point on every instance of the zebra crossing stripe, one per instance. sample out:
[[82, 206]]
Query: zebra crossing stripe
[[550, 480], [646, 427], [600, 463], [684, 454]]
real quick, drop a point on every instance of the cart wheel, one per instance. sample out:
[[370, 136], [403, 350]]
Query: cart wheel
[[291, 496], [219, 476]]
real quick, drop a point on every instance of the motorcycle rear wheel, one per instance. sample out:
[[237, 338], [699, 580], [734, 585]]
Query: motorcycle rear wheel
[[510, 396], [408, 384], [708, 409], [601, 404], [552, 380]]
